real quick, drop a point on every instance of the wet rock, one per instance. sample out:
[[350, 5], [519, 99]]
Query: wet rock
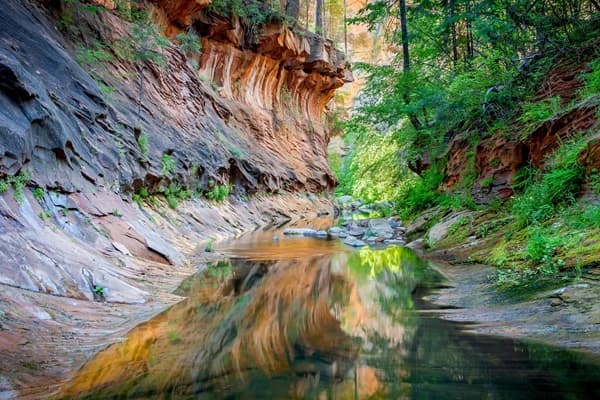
[[419, 225], [344, 200], [300, 232], [365, 209], [354, 242], [380, 228], [395, 222], [355, 230], [398, 242], [418, 244], [318, 234]]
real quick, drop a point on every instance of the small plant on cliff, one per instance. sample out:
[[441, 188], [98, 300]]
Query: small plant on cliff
[[592, 79], [487, 182], [189, 43], [18, 184], [145, 45], [558, 184], [168, 164], [38, 193], [142, 142], [99, 291], [218, 193]]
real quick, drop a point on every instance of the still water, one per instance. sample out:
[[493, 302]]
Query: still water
[[307, 318]]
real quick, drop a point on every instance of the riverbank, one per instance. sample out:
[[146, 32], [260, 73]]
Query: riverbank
[[102, 265], [561, 310]]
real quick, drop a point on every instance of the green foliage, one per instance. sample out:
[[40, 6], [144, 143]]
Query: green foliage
[[592, 79], [99, 290], [43, 215], [541, 249], [175, 193], [168, 164], [537, 112], [146, 44], [423, 194], [218, 193], [210, 246], [144, 146], [18, 183], [251, 12], [4, 185], [189, 43], [38, 193], [487, 182], [92, 57], [544, 191], [115, 212], [372, 171], [173, 337]]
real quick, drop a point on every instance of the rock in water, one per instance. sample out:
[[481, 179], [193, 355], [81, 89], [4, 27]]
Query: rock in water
[[300, 232], [354, 242]]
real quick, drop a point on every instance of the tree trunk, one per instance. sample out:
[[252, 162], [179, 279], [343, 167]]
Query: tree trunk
[[345, 29], [292, 10], [452, 14], [406, 62], [319, 17]]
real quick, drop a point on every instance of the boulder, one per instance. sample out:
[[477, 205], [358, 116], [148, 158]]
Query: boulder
[[354, 242], [440, 230], [299, 232], [380, 228]]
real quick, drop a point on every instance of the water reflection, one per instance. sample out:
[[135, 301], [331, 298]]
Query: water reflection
[[337, 325]]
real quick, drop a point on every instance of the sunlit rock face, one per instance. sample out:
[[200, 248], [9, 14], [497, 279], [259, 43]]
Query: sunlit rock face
[[247, 111]]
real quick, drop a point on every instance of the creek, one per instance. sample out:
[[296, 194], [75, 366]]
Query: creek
[[309, 318]]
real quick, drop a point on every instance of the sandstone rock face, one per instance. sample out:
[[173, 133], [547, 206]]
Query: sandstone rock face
[[57, 124]]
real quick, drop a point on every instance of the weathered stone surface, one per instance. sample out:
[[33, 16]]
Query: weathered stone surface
[[440, 230], [300, 232], [380, 228], [75, 140], [354, 242]]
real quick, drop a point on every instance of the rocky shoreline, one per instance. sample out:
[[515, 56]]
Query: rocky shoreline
[[51, 319], [565, 315]]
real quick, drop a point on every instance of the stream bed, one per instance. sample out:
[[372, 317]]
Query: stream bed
[[308, 318]]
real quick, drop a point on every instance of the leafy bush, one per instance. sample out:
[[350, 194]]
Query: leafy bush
[[38, 193], [537, 112], [487, 182], [189, 43], [218, 193], [592, 79], [543, 191], [168, 164], [143, 145], [18, 184], [252, 13], [175, 193]]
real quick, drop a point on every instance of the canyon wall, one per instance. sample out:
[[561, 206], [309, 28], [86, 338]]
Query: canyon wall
[[85, 129], [250, 114]]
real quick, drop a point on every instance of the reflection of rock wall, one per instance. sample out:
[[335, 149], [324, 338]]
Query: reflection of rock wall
[[251, 322]]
